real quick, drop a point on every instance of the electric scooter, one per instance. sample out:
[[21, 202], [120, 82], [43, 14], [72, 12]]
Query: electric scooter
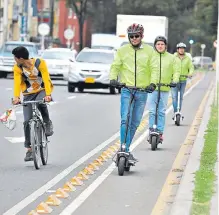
[[178, 115], [122, 157], [154, 135]]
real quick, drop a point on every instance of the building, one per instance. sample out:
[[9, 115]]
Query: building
[[68, 19]]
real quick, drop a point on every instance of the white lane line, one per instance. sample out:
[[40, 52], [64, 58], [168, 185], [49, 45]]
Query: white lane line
[[15, 139], [8, 89], [29, 199], [70, 209], [21, 205], [71, 97]]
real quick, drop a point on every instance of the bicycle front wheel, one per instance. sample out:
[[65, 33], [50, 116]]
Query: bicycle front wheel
[[35, 144], [43, 146]]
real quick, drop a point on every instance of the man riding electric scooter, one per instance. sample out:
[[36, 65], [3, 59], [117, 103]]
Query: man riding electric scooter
[[135, 64], [169, 73], [186, 71]]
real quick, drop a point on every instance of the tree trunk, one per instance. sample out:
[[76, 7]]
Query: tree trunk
[[81, 32]]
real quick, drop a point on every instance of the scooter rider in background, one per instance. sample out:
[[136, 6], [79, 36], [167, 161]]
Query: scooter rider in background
[[186, 69], [169, 72], [136, 66]]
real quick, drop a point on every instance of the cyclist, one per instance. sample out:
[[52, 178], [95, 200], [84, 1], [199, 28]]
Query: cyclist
[[169, 72], [135, 65], [31, 76], [186, 68]]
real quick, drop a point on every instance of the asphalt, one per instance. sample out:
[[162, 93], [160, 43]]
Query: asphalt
[[81, 123]]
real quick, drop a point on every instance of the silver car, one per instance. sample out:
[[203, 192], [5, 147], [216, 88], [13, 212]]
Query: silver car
[[7, 59], [59, 62], [91, 70]]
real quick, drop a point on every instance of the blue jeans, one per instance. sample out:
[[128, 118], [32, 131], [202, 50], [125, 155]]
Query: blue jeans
[[136, 112], [181, 86], [161, 109]]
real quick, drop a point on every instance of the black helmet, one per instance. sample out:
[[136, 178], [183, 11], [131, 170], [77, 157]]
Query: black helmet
[[181, 45], [160, 38]]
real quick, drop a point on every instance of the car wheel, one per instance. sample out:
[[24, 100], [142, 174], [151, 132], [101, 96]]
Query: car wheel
[[71, 89], [112, 90], [80, 89]]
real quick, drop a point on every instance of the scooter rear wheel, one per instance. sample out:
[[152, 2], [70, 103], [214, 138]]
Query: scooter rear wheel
[[153, 143], [177, 122], [121, 165]]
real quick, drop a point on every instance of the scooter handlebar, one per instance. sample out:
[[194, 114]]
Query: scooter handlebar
[[122, 85]]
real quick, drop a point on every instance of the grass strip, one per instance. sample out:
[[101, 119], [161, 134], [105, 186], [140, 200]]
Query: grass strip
[[205, 176]]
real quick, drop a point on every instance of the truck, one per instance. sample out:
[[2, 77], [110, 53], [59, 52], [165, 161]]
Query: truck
[[104, 41], [153, 26]]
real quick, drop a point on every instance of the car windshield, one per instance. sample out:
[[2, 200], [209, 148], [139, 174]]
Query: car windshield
[[9, 47], [103, 47], [95, 57], [57, 55]]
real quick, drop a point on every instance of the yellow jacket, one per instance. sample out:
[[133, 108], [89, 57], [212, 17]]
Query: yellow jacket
[[33, 80]]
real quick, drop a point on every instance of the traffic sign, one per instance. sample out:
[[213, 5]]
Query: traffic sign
[[69, 34], [43, 29], [203, 46]]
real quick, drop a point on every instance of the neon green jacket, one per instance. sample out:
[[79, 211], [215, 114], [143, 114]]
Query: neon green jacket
[[135, 67], [170, 69], [186, 66]]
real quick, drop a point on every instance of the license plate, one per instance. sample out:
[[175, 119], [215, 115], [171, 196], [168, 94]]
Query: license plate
[[90, 80]]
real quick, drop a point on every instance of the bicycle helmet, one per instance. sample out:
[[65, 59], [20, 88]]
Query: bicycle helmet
[[135, 28], [181, 45], [160, 38]]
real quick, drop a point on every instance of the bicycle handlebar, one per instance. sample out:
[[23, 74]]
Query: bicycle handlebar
[[31, 102]]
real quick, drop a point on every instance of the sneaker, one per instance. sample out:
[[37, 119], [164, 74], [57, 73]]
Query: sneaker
[[132, 159], [29, 156], [49, 128]]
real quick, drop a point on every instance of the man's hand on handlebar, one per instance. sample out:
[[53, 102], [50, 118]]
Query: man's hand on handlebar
[[114, 83], [151, 87], [172, 84], [16, 101], [48, 99]]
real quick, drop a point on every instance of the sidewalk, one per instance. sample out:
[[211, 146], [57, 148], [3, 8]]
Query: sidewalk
[[183, 200]]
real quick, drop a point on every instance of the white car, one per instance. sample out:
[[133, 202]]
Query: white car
[[91, 70], [60, 61]]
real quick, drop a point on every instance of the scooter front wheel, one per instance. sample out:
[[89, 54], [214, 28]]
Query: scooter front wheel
[[153, 143], [177, 122], [121, 165]]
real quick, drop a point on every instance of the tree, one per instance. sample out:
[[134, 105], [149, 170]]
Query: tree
[[80, 8]]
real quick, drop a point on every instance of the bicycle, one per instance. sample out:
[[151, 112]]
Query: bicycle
[[154, 135], [178, 115], [122, 157], [38, 138]]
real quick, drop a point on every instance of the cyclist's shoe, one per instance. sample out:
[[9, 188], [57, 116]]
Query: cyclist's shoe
[[49, 128], [132, 159], [29, 156]]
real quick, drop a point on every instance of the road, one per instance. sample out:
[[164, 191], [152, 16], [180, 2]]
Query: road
[[84, 125]]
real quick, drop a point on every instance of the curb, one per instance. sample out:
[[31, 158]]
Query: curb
[[183, 200]]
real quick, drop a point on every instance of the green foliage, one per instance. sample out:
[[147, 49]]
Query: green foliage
[[188, 19]]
